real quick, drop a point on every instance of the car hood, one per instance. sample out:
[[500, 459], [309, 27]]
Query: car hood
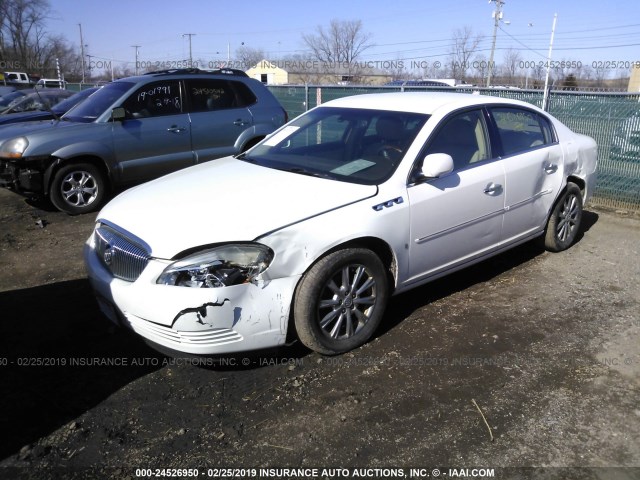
[[25, 116], [24, 128], [224, 200], [47, 136]]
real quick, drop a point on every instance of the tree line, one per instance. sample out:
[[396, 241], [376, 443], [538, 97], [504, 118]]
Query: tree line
[[25, 45]]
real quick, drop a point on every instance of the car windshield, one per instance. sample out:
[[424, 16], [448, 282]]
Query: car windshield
[[347, 144], [89, 110], [67, 103], [33, 101], [10, 97]]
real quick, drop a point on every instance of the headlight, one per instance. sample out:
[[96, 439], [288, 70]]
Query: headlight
[[14, 148], [219, 267]]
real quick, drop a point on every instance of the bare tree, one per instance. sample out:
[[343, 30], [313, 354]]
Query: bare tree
[[303, 68], [464, 46], [342, 43], [25, 44], [434, 70], [68, 59], [249, 57], [537, 74], [480, 68], [22, 27], [398, 71], [511, 66], [600, 75]]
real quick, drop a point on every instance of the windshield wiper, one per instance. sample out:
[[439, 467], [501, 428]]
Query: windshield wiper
[[243, 156], [304, 171], [47, 107]]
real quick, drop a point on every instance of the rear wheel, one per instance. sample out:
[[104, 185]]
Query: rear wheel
[[564, 223], [341, 300], [78, 188]]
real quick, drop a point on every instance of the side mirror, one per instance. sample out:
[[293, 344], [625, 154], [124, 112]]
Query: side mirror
[[437, 165], [118, 114]]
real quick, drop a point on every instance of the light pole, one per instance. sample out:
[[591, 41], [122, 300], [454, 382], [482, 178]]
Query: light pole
[[81, 52], [545, 97], [136, 66], [190, 55]]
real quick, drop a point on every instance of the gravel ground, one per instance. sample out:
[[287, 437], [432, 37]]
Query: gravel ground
[[530, 359]]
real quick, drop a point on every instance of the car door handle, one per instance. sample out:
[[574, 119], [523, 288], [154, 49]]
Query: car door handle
[[493, 189], [176, 129], [550, 168], [240, 122]]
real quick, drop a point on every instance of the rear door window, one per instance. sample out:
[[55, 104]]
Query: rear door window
[[206, 95], [521, 130]]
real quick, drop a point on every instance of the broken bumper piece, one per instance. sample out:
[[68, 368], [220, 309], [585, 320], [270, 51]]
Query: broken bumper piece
[[204, 321]]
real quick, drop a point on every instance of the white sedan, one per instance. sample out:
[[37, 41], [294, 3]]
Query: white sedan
[[309, 233]]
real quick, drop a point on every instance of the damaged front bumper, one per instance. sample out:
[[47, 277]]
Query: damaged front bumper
[[202, 321], [21, 178]]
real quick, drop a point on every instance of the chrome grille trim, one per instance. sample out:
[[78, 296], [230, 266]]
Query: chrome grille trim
[[123, 257], [156, 332]]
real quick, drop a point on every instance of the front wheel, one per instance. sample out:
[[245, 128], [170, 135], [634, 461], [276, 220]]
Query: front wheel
[[78, 188], [341, 300], [564, 223]]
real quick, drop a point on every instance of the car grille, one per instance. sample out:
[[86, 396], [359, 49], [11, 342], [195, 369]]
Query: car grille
[[123, 257]]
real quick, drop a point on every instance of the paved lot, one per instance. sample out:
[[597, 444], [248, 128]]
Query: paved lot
[[544, 346]]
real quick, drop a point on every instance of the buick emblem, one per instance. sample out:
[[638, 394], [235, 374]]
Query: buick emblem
[[108, 255]]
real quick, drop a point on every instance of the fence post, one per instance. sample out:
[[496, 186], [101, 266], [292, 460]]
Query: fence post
[[306, 97], [545, 98]]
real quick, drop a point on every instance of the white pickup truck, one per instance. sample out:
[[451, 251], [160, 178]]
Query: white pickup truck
[[17, 78]]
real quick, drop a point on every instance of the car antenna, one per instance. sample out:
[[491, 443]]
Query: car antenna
[[47, 106]]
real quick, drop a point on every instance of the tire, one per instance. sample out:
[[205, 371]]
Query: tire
[[78, 188], [565, 219], [331, 316]]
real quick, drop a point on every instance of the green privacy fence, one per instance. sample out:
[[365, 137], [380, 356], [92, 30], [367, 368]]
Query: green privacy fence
[[612, 119]]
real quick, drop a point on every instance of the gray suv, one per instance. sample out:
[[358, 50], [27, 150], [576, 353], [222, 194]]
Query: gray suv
[[133, 130]]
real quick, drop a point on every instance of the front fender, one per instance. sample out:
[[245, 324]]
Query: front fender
[[87, 149], [95, 151], [300, 245]]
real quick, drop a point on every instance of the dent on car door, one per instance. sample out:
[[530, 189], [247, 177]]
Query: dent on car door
[[219, 115], [533, 163], [458, 217], [154, 139]]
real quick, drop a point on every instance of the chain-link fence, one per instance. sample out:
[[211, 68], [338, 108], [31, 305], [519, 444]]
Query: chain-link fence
[[612, 119]]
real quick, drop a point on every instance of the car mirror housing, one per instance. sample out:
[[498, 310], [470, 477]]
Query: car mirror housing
[[118, 114], [437, 165]]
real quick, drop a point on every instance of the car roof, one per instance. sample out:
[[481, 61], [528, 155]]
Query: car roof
[[420, 102], [182, 73]]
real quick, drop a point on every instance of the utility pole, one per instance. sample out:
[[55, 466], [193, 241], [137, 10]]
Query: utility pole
[[89, 70], [190, 56], [81, 51], [136, 47], [497, 16]]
